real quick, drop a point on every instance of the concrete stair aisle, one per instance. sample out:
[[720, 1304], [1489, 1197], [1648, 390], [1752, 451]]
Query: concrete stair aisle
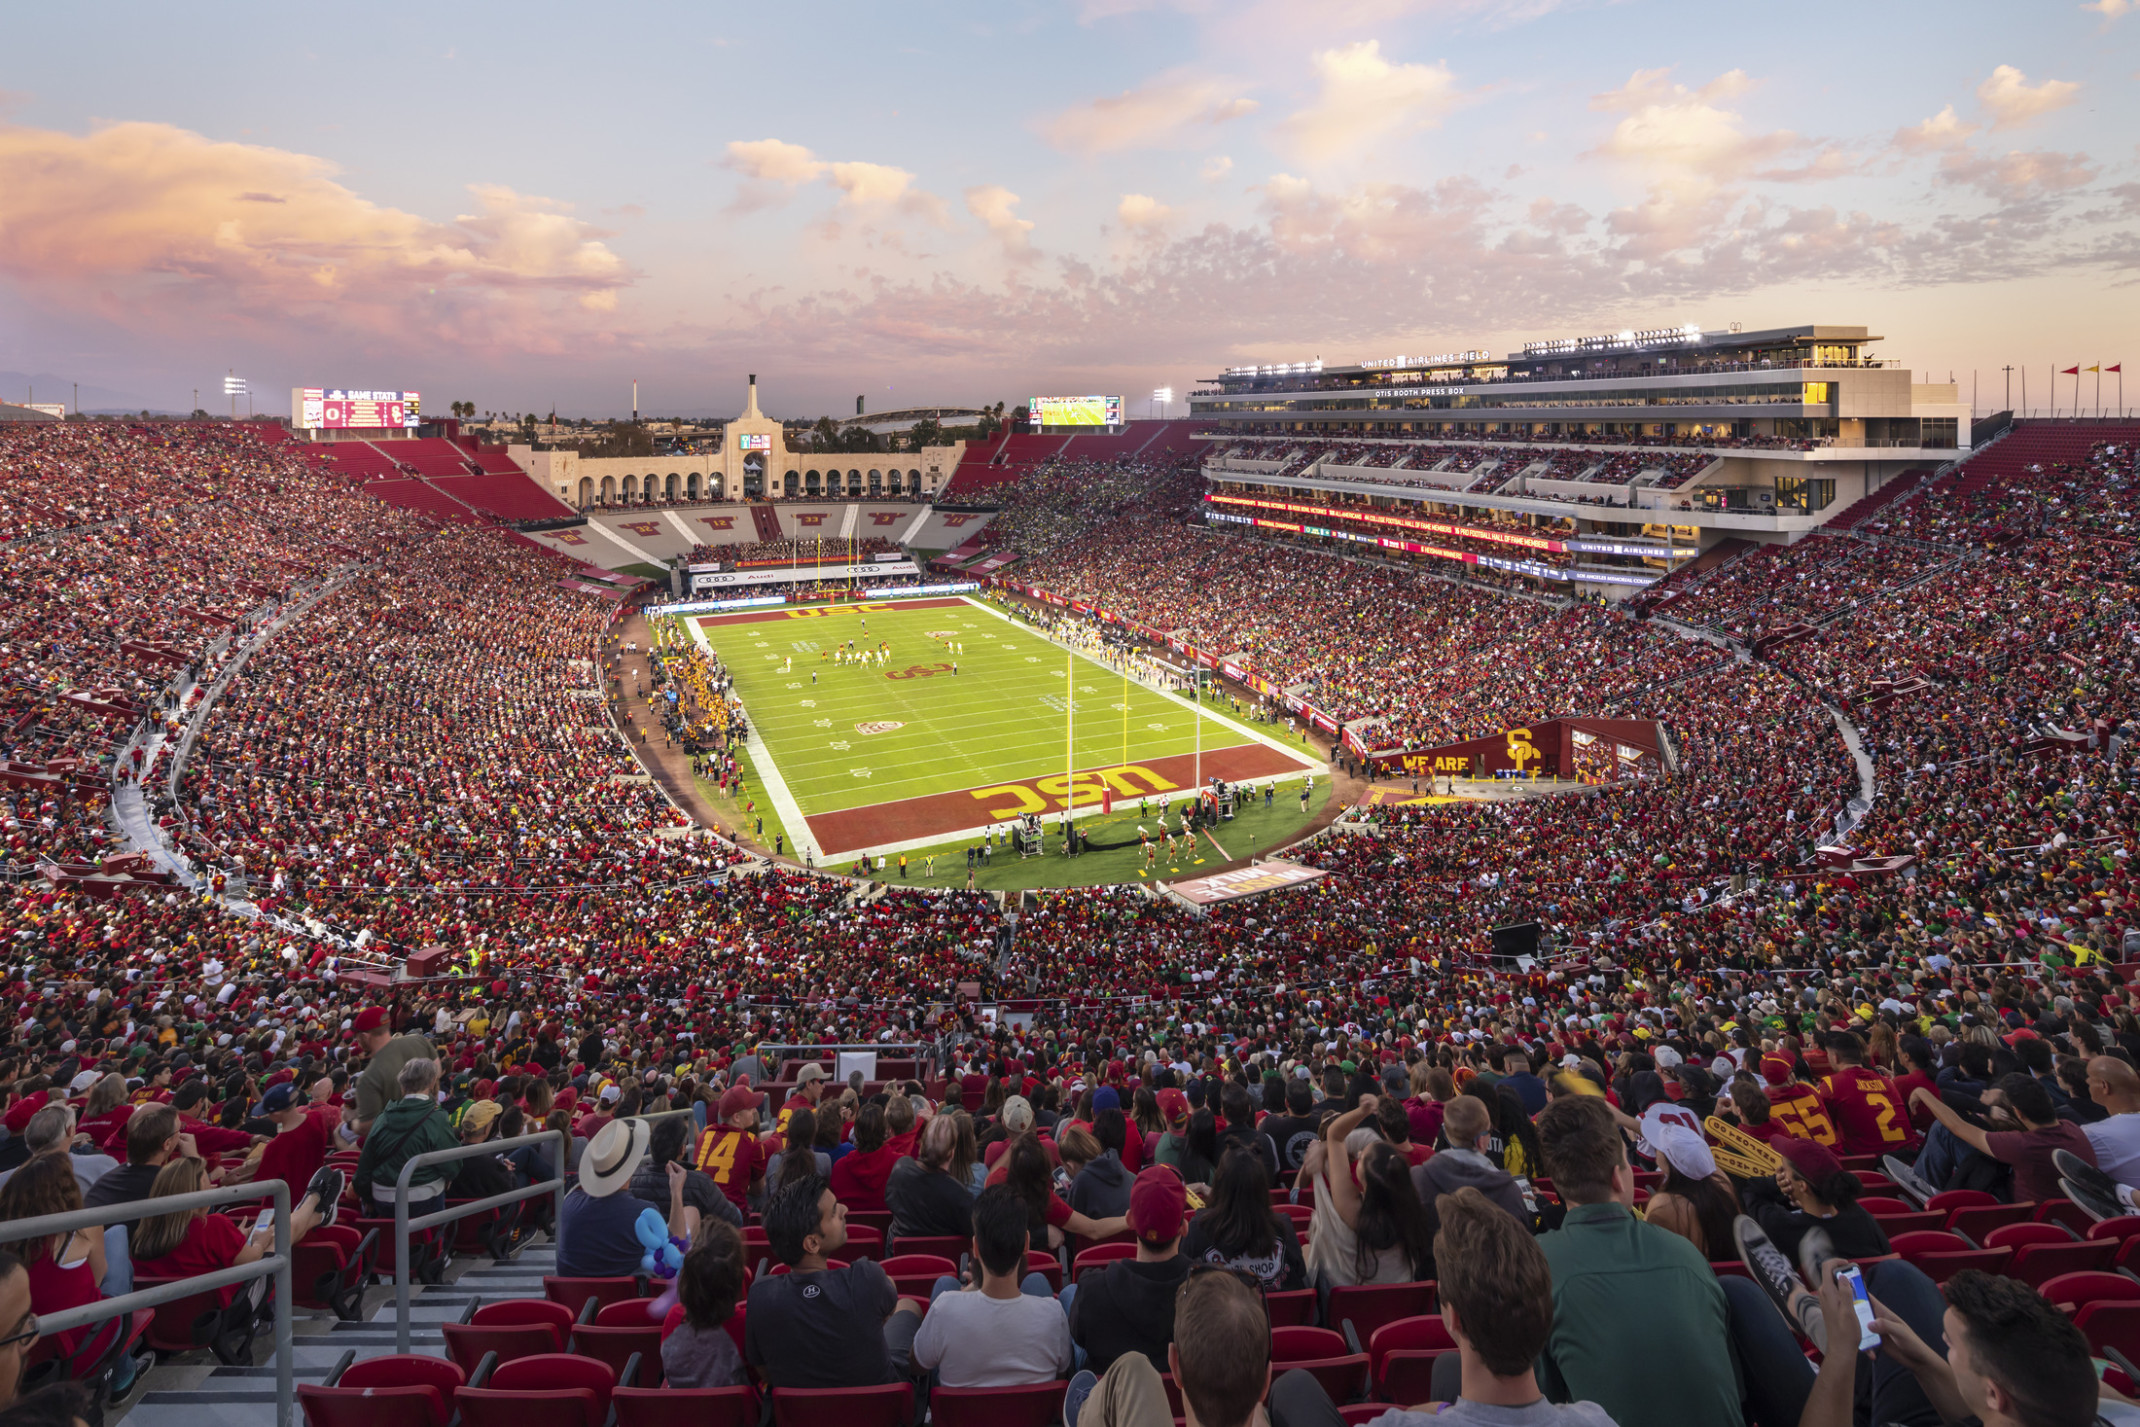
[[199, 1392]]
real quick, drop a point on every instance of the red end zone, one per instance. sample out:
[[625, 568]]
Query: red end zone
[[943, 814], [821, 611]]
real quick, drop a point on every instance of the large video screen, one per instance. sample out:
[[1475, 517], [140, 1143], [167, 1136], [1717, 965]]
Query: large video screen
[[1076, 410], [762, 441], [339, 409]]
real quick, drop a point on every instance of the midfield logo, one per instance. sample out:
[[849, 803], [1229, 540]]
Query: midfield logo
[[885, 727]]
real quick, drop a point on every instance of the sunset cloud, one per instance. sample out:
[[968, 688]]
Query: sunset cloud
[[1168, 110], [1362, 97], [2010, 100], [996, 206], [172, 219]]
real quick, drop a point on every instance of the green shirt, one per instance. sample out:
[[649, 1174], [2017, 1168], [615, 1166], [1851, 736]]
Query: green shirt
[[1639, 1323]]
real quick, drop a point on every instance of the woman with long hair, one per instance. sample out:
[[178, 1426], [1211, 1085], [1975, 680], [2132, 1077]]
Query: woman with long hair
[[1029, 1176], [66, 1270], [1375, 1231], [1238, 1227], [1696, 1200], [1520, 1154], [1144, 1112], [1813, 1190], [799, 1158], [195, 1241]]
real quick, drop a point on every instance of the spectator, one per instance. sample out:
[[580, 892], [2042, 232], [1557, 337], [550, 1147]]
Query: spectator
[[1372, 1229], [302, 1141], [481, 1176], [1299, 1127], [670, 1143], [152, 1138], [1621, 1286], [1238, 1227], [1241, 1129], [1194, 1150], [1516, 1075], [385, 1055], [1696, 1200], [1025, 1172], [18, 1325], [1465, 1164], [597, 1232], [65, 1270], [194, 1241], [798, 1157], [925, 1196], [819, 1326], [1811, 1189], [1221, 1363], [994, 1333], [859, 1178], [1101, 1188], [1128, 1306], [411, 1126], [700, 1352], [52, 1131], [2115, 1085], [728, 1153], [1979, 1347], [2025, 1133]]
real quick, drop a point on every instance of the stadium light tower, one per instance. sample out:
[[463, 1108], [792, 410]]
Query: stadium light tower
[[1163, 395], [234, 387]]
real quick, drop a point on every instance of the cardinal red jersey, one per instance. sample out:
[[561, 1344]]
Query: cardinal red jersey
[[1796, 1106], [731, 1158], [1868, 1110]]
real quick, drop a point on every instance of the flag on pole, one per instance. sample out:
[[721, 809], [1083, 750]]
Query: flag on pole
[[2069, 371], [2115, 367], [2096, 368]]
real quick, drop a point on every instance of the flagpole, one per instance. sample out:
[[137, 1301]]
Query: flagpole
[[1069, 738]]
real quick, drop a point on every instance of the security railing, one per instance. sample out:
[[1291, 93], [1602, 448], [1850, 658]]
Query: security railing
[[275, 1264], [404, 1225]]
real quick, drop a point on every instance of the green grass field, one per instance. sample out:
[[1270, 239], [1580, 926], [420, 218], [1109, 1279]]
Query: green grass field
[[845, 738]]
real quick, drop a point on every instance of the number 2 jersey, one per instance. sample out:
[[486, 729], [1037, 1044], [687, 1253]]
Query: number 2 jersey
[[1870, 1114]]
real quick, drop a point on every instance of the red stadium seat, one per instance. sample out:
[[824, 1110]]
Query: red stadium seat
[[917, 1274], [1367, 1307], [1404, 1353], [890, 1405], [547, 1390], [1290, 1307], [1046, 1265], [1941, 1254], [406, 1390], [2036, 1264], [574, 1292], [1978, 1220], [947, 1246], [687, 1406], [1099, 1257], [1031, 1405]]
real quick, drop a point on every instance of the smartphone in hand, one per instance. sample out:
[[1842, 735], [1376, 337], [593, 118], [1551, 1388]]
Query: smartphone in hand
[[1868, 1339]]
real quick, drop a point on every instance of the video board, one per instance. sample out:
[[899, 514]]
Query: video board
[[1047, 411], [342, 409]]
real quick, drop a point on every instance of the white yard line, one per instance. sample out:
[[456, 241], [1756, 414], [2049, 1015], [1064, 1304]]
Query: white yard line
[[1188, 705]]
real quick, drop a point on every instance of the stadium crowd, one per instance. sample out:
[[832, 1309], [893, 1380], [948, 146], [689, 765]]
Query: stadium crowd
[[422, 760]]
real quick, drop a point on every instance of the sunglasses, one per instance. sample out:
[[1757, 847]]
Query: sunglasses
[[27, 1332]]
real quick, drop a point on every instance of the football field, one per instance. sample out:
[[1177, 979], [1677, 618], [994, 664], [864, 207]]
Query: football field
[[972, 720]]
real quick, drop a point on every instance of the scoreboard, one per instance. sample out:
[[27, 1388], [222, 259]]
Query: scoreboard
[[1051, 411], [341, 409]]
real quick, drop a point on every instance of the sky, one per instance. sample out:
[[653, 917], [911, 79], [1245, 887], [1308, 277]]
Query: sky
[[956, 204]]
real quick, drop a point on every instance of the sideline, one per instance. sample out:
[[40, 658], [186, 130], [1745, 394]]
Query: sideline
[[800, 838]]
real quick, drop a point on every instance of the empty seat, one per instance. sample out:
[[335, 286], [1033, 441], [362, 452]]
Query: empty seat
[[546, 1390], [1403, 1355], [686, 1406], [1367, 1307], [1029, 1405], [398, 1390], [887, 1405]]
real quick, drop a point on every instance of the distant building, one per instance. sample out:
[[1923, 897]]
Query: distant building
[[753, 462]]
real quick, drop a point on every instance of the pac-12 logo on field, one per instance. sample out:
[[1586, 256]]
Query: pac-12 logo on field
[[877, 727]]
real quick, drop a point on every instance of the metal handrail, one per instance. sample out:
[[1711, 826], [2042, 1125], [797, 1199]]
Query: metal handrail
[[276, 1263], [403, 1224]]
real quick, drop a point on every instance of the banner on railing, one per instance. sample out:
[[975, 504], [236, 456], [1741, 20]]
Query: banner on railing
[[896, 592]]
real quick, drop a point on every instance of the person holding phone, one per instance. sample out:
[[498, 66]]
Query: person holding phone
[[197, 1241]]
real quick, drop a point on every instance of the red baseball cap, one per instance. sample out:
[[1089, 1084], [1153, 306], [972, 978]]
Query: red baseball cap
[[371, 1018], [736, 1099], [1158, 1205], [1812, 1160], [1173, 1105], [1775, 1069]]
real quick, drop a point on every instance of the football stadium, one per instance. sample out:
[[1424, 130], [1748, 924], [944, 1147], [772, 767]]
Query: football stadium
[[1587, 878]]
